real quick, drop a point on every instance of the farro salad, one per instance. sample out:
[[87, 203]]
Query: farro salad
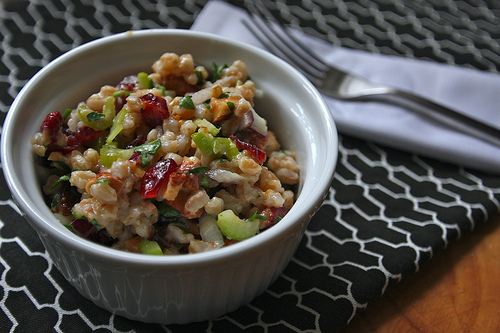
[[174, 161]]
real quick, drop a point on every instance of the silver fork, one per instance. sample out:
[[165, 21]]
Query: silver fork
[[342, 85]]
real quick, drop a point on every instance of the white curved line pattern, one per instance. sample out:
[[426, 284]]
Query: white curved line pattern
[[385, 215]]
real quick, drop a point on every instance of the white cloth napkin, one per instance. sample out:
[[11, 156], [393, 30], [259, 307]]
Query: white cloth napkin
[[471, 91]]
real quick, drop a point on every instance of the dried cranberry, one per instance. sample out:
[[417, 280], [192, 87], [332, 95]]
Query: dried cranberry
[[254, 138], [75, 140], [189, 181], [154, 110], [69, 197], [72, 141], [258, 154], [102, 237], [88, 231], [273, 215], [136, 157], [120, 101], [139, 140], [128, 83], [86, 134], [179, 204], [52, 124], [83, 227], [64, 150], [156, 177]]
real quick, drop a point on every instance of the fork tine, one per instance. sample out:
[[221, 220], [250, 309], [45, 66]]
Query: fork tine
[[262, 30], [296, 47], [269, 42]]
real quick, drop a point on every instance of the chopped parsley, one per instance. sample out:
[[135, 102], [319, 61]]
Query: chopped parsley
[[198, 170], [199, 76], [167, 211], [76, 215], [147, 151], [184, 230], [204, 180], [60, 168], [66, 113], [257, 216], [69, 227], [95, 116], [61, 179], [223, 95], [186, 102], [217, 71], [95, 224]]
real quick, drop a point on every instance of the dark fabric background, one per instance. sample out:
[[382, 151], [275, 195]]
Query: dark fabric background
[[387, 213]]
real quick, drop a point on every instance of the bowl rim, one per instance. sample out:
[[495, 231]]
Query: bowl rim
[[100, 252]]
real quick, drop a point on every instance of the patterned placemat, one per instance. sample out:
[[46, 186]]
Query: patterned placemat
[[387, 212]]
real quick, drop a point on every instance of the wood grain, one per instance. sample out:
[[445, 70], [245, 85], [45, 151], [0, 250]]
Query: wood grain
[[457, 291]]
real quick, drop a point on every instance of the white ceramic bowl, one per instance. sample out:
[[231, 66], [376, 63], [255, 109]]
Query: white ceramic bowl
[[171, 289]]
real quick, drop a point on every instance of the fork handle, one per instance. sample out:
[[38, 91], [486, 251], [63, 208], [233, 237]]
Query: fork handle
[[440, 113]]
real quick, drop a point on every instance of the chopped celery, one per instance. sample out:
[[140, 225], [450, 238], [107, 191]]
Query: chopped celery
[[215, 147], [100, 141], [95, 120], [109, 153], [205, 142], [160, 88], [117, 126], [235, 228], [144, 81], [150, 247], [225, 146], [122, 93], [205, 123]]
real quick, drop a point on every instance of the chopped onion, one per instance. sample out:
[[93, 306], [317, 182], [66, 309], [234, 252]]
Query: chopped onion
[[201, 96], [224, 176], [254, 122], [209, 230], [179, 234], [246, 120]]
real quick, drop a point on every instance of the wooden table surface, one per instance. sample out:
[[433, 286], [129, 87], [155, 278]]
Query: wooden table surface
[[457, 291]]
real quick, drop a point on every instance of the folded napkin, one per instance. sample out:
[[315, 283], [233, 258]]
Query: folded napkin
[[471, 91]]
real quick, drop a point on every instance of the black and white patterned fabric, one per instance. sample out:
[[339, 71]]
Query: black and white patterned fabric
[[388, 212]]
